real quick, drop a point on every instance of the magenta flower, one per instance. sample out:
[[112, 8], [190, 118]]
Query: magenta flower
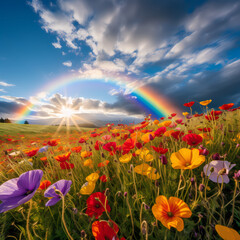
[[218, 171], [62, 185], [19, 190]]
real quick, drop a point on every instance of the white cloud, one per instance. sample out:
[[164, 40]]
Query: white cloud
[[67, 63], [57, 44], [4, 84], [2, 90]]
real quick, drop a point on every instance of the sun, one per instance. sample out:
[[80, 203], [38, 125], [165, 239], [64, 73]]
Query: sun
[[67, 112]]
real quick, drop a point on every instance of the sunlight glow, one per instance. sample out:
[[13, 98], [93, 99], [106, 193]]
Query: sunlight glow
[[67, 112]]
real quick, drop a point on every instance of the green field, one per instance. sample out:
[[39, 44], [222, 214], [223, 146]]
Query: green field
[[28, 129]]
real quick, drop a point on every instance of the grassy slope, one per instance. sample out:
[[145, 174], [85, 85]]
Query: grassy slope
[[27, 129]]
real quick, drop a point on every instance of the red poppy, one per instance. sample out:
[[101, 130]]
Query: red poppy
[[52, 143], [160, 149], [178, 121], [211, 118], [192, 139], [103, 178], [97, 145], [216, 113], [160, 131], [139, 145], [97, 204], [198, 115], [204, 129], [44, 184], [173, 114], [76, 149], [66, 165], [177, 134], [162, 118], [128, 145], [32, 153], [169, 117], [226, 106], [82, 140], [63, 158], [110, 147], [189, 104], [103, 230]]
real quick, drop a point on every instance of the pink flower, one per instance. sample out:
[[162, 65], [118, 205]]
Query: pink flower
[[217, 171]]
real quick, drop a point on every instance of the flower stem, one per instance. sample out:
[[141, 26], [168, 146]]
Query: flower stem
[[28, 216]]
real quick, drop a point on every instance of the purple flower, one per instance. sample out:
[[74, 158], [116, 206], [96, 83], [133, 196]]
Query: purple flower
[[218, 171], [62, 185], [19, 190], [216, 156], [237, 175]]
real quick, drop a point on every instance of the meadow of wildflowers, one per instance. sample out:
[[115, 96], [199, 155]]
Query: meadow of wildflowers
[[171, 178]]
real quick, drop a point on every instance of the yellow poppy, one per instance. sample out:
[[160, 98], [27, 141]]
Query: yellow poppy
[[125, 158], [153, 175], [156, 122], [227, 233], [88, 163], [145, 155], [143, 169], [146, 137], [185, 113], [206, 102], [187, 159], [93, 177], [165, 124], [87, 188]]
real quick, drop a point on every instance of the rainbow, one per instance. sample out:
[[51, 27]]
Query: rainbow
[[156, 104]]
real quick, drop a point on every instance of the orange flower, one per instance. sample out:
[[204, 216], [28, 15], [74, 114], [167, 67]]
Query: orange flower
[[227, 233], [76, 149], [86, 154], [43, 159], [170, 212], [53, 142], [32, 152], [63, 158], [44, 184], [226, 106], [103, 164], [206, 102], [186, 159]]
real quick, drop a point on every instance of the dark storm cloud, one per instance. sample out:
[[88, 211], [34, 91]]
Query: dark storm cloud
[[9, 107]]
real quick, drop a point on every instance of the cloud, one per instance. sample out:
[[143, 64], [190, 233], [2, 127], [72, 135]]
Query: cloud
[[57, 44], [67, 63], [2, 90], [4, 84]]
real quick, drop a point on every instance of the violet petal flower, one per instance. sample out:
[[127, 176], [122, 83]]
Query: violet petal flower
[[61, 185], [213, 169], [19, 190]]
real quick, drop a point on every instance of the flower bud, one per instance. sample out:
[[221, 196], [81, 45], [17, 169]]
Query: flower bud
[[164, 160], [83, 234], [75, 211], [144, 227], [125, 194], [103, 155], [222, 144], [222, 171], [201, 187], [237, 175], [205, 152], [192, 181], [237, 145], [216, 156]]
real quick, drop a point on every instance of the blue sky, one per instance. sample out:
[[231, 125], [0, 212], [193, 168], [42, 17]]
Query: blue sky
[[185, 50]]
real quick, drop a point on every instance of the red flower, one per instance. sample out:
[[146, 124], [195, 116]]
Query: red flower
[[66, 165], [103, 230], [162, 118], [177, 134], [44, 184], [160, 131], [52, 143], [192, 139], [97, 145], [103, 178], [110, 147], [204, 129], [128, 145], [82, 140], [76, 149], [96, 205], [103, 164], [226, 106], [178, 121], [198, 115], [189, 104], [160, 149], [211, 118], [139, 145], [173, 114], [32, 153], [63, 158]]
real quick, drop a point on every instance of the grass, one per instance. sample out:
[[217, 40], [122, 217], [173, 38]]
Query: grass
[[29, 129], [131, 194]]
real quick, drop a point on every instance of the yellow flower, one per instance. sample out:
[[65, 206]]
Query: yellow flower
[[88, 163], [146, 137], [206, 102], [186, 159], [93, 177], [87, 188], [168, 133], [227, 233], [143, 169], [171, 211], [153, 175], [185, 113], [145, 155], [156, 122], [125, 158]]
